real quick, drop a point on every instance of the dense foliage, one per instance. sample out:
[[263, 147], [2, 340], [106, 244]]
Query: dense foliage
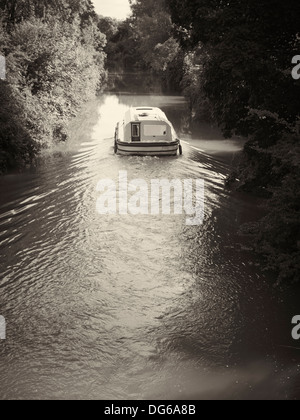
[[144, 43], [122, 46], [55, 61]]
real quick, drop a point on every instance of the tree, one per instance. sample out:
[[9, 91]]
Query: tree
[[248, 52], [55, 62], [153, 31], [18, 10], [108, 26]]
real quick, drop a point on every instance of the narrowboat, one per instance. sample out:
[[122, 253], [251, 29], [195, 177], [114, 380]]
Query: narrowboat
[[146, 131]]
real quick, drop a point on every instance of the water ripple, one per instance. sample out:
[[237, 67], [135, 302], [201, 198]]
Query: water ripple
[[121, 306]]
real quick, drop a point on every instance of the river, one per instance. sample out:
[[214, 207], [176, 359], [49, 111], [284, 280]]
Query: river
[[136, 307]]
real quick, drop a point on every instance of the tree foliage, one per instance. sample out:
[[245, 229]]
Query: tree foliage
[[248, 47], [122, 47], [152, 27], [145, 42], [55, 61]]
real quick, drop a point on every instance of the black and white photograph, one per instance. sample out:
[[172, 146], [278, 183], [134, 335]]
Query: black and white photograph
[[150, 203]]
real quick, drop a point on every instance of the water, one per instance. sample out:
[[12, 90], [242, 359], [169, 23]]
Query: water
[[135, 307]]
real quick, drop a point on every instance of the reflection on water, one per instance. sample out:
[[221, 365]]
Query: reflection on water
[[133, 306]]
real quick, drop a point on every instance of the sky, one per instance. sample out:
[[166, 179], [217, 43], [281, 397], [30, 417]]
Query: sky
[[114, 8]]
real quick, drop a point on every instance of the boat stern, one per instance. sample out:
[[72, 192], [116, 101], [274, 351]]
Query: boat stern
[[148, 148]]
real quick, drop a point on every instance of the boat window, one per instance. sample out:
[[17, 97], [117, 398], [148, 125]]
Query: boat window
[[155, 130], [135, 130]]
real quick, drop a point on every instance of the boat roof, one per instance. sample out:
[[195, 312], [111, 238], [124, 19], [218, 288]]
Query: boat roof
[[145, 113]]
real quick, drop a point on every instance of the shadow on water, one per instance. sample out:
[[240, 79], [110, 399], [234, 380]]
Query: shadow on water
[[135, 307]]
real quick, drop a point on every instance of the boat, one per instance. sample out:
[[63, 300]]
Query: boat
[[146, 131]]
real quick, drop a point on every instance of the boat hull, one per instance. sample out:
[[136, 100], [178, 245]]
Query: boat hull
[[148, 149]]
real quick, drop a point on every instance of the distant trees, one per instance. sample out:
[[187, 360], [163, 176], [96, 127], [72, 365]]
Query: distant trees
[[108, 26], [55, 61], [144, 42], [152, 28], [122, 46]]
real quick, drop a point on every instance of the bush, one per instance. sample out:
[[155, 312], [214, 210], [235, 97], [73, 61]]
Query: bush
[[53, 66], [17, 148], [279, 236]]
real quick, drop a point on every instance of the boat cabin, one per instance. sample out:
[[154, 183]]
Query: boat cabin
[[146, 131], [147, 125]]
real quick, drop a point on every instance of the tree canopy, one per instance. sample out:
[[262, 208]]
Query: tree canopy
[[55, 61]]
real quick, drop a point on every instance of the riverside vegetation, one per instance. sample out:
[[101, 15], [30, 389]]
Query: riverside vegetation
[[55, 61], [232, 60]]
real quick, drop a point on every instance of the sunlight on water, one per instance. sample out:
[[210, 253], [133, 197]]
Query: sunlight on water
[[129, 306]]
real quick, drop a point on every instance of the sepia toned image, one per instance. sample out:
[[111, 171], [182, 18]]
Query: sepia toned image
[[149, 202]]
